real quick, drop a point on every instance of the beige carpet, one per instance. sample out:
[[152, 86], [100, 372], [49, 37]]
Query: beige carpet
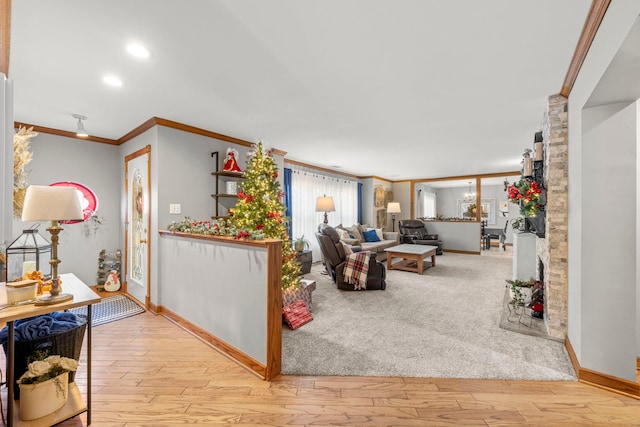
[[444, 323]]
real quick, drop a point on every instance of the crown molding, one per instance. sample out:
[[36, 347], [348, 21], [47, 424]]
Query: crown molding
[[154, 121], [479, 175], [158, 121], [42, 129], [591, 25]]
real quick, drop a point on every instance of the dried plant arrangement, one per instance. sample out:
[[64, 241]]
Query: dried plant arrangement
[[22, 156]]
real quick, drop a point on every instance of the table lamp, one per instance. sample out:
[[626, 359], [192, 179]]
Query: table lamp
[[393, 208], [325, 204], [44, 203]]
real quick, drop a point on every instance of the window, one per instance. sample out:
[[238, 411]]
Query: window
[[306, 186]]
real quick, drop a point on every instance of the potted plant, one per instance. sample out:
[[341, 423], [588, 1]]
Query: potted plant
[[44, 387], [521, 291], [518, 224], [300, 244]]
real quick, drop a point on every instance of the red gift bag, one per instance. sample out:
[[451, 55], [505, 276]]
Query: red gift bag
[[296, 314]]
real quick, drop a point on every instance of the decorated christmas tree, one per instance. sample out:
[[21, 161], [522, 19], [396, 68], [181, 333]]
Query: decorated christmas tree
[[260, 208]]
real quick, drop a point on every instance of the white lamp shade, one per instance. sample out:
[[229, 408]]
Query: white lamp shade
[[325, 204], [42, 202], [393, 207]]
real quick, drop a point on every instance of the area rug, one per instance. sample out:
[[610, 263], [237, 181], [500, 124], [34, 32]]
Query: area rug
[[110, 309], [444, 323]]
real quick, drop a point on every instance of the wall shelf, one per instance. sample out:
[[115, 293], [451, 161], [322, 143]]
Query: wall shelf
[[222, 197]]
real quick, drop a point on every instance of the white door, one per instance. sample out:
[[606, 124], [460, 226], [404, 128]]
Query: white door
[[137, 225]]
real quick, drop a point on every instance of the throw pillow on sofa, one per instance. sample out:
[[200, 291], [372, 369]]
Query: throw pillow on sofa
[[371, 236], [344, 234], [354, 233]]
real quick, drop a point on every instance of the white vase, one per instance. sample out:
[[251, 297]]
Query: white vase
[[41, 399], [525, 291]]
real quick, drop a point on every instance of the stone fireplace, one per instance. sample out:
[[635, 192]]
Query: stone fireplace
[[551, 250]]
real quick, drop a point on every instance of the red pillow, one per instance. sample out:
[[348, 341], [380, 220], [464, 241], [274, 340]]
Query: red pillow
[[296, 314]]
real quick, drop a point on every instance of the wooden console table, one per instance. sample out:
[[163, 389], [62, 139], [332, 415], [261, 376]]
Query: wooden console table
[[82, 295]]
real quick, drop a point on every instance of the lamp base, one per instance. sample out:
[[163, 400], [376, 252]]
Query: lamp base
[[49, 299]]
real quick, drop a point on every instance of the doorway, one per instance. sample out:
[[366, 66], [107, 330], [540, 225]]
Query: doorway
[[138, 218]]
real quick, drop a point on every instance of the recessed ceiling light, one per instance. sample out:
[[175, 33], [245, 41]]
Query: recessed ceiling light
[[112, 80], [138, 50]]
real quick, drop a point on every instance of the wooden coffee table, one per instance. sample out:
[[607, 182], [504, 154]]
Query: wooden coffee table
[[412, 257]]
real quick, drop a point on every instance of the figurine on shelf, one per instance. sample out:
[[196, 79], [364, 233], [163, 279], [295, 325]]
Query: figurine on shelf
[[230, 162]]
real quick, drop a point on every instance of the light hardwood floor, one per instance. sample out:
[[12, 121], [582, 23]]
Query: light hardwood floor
[[149, 372]]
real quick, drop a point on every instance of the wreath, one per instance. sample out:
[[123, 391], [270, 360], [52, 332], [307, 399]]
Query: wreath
[[527, 194]]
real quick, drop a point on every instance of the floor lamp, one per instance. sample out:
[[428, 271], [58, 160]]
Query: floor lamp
[[44, 203], [393, 208], [324, 204]]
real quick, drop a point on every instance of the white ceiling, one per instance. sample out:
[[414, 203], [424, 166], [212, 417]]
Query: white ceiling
[[397, 89]]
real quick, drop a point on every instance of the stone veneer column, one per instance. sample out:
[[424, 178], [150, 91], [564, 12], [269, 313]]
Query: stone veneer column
[[552, 250]]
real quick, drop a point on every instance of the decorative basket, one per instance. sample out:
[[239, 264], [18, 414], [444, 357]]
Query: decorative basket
[[65, 344]]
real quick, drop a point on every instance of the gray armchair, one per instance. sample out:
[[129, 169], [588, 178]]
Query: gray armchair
[[335, 261]]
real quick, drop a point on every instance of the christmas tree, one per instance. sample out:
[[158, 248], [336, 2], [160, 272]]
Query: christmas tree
[[260, 208]]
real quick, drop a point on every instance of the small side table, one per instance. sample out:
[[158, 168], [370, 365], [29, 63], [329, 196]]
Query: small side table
[[82, 295], [305, 258]]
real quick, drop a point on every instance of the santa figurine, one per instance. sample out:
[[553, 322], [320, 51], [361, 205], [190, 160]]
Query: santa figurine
[[230, 162]]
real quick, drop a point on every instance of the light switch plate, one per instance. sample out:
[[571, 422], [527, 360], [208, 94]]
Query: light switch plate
[[174, 208]]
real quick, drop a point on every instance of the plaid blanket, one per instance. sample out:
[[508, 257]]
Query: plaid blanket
[[357, 269]]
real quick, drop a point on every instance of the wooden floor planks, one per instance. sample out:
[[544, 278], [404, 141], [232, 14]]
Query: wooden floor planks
[[149, 372]]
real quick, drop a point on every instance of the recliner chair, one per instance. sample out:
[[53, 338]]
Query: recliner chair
[[335, 261], [415, 231]]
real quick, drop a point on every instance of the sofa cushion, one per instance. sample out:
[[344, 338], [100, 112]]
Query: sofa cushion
[[344, 234], [347, 248], [370, 236], [354, 232], [352, 242]]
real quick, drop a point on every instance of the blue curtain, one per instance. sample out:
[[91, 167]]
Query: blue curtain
[[359, 203], [287, 197]]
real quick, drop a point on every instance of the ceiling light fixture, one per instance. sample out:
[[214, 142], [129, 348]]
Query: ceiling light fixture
[[138, 50], [112, 80], [470, 196], [81, 131]]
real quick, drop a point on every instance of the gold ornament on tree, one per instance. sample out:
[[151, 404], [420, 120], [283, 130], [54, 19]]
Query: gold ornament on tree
[[22, 156]]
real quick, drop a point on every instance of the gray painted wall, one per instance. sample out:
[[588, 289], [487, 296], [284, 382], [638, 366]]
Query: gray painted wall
[[459, 236], [202, 287], [95, 165], [619, 19], [609, 276]]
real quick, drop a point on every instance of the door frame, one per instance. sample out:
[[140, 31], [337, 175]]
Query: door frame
[[141, 152]]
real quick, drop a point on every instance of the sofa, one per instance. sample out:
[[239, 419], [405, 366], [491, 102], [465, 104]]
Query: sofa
[[366, 238], [414, 231], [334, 257]]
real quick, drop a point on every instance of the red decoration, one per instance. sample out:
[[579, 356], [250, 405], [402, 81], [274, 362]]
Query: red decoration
[[230, 162], [89, 200], [297, 314]]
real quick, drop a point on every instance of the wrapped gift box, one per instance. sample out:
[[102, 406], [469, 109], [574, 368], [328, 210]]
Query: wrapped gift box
[[303, 292]]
